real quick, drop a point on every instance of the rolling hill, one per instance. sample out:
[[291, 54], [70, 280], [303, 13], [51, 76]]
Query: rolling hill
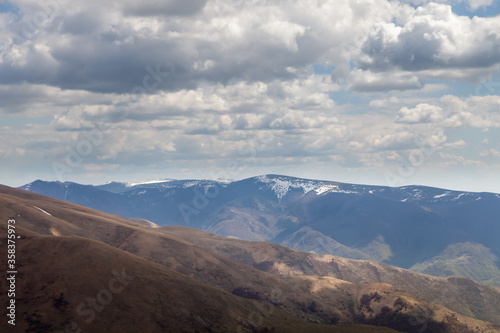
[[461, 295], [70, 296]]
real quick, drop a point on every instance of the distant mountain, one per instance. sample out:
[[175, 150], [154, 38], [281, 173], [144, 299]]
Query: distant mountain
[[403, 226], [176, 284]]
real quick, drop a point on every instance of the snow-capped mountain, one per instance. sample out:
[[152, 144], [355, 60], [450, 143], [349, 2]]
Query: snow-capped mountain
[[402, 226], [281, 185]]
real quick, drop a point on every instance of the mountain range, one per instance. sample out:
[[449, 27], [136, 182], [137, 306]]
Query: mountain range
[[429, 230], [80, 269]]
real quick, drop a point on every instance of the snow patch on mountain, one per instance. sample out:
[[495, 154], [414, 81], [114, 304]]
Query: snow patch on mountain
[[441, 195], [153, 181], [221, 180], [206, 183], [459, 196], [281, 185], [163, 184], [192, 183], [328, 188], [42, 210]]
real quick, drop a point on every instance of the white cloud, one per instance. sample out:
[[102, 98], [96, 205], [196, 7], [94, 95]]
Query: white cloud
[[381, 103], [453, 111], [455, 145], [476, 4], [490, 152], [422, 113], [473, 4], [433, 38], [220, 41], [452, 159], [368, 81], [234, 72]]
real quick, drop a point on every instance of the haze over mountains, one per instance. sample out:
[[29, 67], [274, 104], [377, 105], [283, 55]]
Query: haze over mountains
[[429, 230], [181, 279]]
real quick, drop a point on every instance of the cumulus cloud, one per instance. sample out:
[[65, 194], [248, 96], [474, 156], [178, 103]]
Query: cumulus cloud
[[422, 113], [476, 4], [367, 81], [452, 159], [453, 111], [490, 152], [186, 84], [106, 47], [102, 49], [476, 111], [169, 7], [472, 4], [456, 144], [432, 37], [380, 103]]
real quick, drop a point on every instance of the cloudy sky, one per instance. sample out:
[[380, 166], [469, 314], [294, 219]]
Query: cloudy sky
[[365, 91]]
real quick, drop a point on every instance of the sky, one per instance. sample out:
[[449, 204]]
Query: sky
[[380, 92]]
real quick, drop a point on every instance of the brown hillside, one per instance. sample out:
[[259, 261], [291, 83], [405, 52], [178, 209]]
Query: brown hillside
[[58, 274], [458, 294]]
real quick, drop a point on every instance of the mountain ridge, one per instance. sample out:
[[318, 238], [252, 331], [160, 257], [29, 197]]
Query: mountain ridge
[[415, 223], [132, 184]]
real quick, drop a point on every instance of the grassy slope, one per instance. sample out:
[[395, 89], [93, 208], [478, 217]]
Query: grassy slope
[[52, 284]]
